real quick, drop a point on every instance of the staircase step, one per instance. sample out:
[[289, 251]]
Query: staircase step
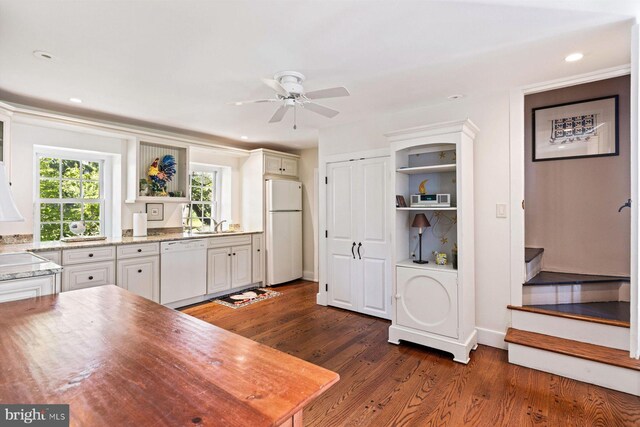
[[615, 313], [531, 253], [554, 278], [592, 352]]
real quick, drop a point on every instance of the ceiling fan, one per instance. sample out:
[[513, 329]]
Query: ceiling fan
[[290, 93]]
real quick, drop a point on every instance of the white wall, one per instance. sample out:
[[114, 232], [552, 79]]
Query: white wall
[[491, 175], [308, 170]]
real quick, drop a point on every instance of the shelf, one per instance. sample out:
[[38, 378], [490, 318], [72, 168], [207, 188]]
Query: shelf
[[428, 169], [452, 208], [431, 266], [153, 199]]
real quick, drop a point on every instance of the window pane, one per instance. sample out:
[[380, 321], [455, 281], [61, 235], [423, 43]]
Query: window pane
[[66, 232], [90, 190], [206, 222], [197, 210], [195, 179], [49, 212], [196, 193], [71, 212], [70, 169], [91, 170], [207, 194], [49, 232], [207, 179], [206, 211], [92, 212], [49, 167], [71, 189], [93, 229], [49, 189]]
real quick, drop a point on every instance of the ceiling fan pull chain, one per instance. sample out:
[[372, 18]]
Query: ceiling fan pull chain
[[295, 109]]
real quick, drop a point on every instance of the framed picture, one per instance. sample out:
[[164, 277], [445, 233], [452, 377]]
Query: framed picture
[[155, 211], [400, 202], [576, 130]]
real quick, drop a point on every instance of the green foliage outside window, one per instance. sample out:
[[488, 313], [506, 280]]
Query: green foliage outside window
[[69, 190], [201, 209]]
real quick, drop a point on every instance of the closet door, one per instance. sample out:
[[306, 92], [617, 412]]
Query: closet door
[[374, 237], [342, 232]]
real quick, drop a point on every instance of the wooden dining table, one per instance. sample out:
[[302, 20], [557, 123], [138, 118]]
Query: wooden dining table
[[121, 360]]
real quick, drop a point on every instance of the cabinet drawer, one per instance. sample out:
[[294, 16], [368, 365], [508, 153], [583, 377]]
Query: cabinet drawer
[[53, 256], [12, 290], [143, 249], [88, 275], [222, 242], [80, 256]]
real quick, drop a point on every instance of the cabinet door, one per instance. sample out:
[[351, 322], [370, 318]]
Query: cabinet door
[[141, 276], [427, 300], [289, 166], [257, 271], [218, 270], [240, 266], [12, 290], [88, 275], [272, 165]]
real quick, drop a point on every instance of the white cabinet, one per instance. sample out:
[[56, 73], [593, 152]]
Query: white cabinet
[[12, 290], [358, 236], [240, 266], [140, 275], [142, 249], [279, 165], [81, 256], [88, 275], [435, 305], [257, 247], [218, 270]]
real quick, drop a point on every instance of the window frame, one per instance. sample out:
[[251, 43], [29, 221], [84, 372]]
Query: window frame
[[103, 183], [216, 191]]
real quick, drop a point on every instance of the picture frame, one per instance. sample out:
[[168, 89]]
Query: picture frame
[[400, 202], [576, 130], [155, 211]]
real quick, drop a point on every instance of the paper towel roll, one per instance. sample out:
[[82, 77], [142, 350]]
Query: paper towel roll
[[139, 224]]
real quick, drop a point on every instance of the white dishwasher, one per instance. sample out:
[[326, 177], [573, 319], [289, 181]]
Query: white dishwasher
[[183, 270]]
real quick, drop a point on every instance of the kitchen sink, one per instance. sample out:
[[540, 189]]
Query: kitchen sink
[[25, 258]]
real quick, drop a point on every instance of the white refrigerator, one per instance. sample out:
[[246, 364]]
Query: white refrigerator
[[284, 231]]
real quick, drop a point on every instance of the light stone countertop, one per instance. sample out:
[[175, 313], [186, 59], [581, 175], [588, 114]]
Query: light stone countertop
[[26, 271]]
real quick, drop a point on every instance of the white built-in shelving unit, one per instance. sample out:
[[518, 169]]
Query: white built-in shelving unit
[[434, 304]]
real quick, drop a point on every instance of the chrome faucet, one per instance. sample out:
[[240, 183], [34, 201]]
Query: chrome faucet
[[217, 225]]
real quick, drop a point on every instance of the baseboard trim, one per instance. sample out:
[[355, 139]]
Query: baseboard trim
[[308, 275], [491, 338]]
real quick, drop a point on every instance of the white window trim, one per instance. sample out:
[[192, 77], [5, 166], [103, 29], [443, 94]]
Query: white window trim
[[107, 212], [218, 189]]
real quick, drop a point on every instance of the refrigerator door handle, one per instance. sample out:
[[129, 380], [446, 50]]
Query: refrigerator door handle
[[352, 252]]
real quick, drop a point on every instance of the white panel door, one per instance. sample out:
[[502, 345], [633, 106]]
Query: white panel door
[[240, 266], [141, 276], [342, 231], [218, 270], [374, 237]]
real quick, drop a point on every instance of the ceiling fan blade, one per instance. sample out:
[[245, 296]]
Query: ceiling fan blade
[[333, 92], [279, 114], [253, 101], [321, 109], [275, 85]]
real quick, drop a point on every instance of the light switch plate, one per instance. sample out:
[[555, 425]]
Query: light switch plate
[[501, 210]]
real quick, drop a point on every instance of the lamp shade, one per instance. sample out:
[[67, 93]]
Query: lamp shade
[[420, 221], [8, 209]]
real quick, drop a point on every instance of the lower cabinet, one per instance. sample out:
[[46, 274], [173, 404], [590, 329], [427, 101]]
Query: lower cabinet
[[228, 268], [12, 290], [241, 266], [257, 270], [88, 275], [141, 276]]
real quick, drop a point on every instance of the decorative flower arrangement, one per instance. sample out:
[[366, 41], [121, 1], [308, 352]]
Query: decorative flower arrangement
[[160, 172]]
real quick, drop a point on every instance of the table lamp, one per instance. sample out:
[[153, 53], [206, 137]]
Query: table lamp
[[8, 209], [420, 221]]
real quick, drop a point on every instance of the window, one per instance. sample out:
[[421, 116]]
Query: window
[[203, 209], [68, 190]]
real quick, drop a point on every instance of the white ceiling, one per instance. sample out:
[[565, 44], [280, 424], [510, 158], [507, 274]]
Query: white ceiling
[[179, 63]]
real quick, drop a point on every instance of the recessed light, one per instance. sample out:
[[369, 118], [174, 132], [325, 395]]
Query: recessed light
[[455, 96], [238, 103], [76, 100], [42, 54], [244, 137], [576, 56]]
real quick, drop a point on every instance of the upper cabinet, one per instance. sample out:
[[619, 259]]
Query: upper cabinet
[[279, 165], [157, 172]]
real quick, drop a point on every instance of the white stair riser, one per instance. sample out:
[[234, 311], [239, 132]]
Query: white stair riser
[[613, 377], [570, 294], [533, 267], [577, 330]]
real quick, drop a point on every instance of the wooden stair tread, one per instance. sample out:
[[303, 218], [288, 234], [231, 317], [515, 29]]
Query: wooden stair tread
[[595, 353], [569, 315], [531, 253], [555, 278]]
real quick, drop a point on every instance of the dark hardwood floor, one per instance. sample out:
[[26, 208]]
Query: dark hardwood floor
[[382, 384]]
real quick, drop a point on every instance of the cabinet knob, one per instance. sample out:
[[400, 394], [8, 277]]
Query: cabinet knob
[[90, 255], [234, 254], [139, 271], [90, 277], [229, 254], [139, 250]]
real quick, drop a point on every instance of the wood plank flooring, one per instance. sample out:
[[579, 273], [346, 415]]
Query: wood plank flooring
[[382, 384]]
